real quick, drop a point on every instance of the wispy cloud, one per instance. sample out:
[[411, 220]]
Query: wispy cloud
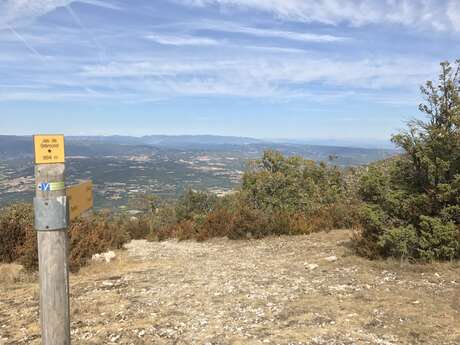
[[277, 80], [44, 96], [15, 12], [18, 12], [182, 40], [109, 4], [101, 65], [263, 32], [265, 77], [453, 10], [296, 36], [428, 14]]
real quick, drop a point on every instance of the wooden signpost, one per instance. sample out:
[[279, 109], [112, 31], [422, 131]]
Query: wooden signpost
[[53, 211], [50, 208]]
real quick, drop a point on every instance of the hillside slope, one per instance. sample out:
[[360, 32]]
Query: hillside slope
[[272, 291]]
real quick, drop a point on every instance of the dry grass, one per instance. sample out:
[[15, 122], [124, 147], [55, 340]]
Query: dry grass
[[15, 274], [121, 263], [249, 292]]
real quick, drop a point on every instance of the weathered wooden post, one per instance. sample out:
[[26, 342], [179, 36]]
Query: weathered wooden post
[[50, 207]]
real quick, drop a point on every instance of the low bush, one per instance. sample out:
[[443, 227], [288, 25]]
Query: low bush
[[218, 223], [194, 204], [317, 196], [17, 235], [292, 184], [87, 236], [136, 227], [278, 196], [92, 235], [238, 221]]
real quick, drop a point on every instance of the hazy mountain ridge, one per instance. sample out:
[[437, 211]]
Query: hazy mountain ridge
[[13, 147], [167, 140]]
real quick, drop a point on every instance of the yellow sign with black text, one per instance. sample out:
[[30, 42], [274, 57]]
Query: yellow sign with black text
[[49, 149], [80, 199]]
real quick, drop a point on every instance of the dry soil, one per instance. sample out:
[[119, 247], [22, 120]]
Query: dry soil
[[288, 290]]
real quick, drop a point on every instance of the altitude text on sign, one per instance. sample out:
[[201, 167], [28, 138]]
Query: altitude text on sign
[[49, 149], [80, 198]]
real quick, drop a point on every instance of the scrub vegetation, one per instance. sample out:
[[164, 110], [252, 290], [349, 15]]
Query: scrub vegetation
[[406, 207]]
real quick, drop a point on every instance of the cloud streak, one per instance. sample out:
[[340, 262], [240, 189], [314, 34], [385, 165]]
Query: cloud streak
[[182, 40], [289, 35], [229, 27], [255, 56], [257, 77], [422, 14], [15, 13]]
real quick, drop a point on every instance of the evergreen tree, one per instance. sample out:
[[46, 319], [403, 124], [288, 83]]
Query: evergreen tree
[[413, 202]]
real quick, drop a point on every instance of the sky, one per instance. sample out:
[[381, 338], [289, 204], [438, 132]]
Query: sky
[[298, 69]]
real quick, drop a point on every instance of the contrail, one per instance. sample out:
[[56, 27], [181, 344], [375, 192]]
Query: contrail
[[74, 15], [101, 51], [23, 40], [36, 53]]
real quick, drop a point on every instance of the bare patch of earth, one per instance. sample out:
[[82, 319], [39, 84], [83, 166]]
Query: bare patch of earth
[[287, 290]]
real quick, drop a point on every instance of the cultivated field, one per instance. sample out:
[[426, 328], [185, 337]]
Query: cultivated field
[[288, 290]]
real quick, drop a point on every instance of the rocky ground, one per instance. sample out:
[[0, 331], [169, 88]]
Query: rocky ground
[[288, 290]]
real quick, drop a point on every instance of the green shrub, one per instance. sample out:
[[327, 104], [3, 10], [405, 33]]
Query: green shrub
[[399, 242], [438, 239], [374, 185], [194, 203], [161, 222], [291, 184], [278, 196], [320, 194], [413, 201]]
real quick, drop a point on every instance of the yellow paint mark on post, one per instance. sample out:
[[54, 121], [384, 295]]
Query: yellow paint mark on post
[[49, 149], [80, 199]]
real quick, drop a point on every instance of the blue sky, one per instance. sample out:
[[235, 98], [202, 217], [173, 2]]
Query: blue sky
[[322, 69]]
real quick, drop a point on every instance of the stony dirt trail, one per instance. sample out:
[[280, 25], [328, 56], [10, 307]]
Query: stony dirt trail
[[288, 290]]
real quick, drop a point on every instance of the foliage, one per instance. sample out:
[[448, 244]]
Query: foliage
[[16, 231], [279, 196], [87, 236], [92, 235], [319, 194], [291, 184], [135, 227], [193, 204], [413, 202]]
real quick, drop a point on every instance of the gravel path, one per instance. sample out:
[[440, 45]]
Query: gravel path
[[288, 290]]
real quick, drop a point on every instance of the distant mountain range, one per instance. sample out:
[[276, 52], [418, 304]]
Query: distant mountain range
[[360, 143], [16, 147], [168, 140]]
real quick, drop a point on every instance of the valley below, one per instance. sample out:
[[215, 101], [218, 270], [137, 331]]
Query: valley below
[[125, 168]]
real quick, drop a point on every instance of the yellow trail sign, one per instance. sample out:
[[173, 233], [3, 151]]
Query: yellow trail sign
[[49, 149], [80, 198]]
